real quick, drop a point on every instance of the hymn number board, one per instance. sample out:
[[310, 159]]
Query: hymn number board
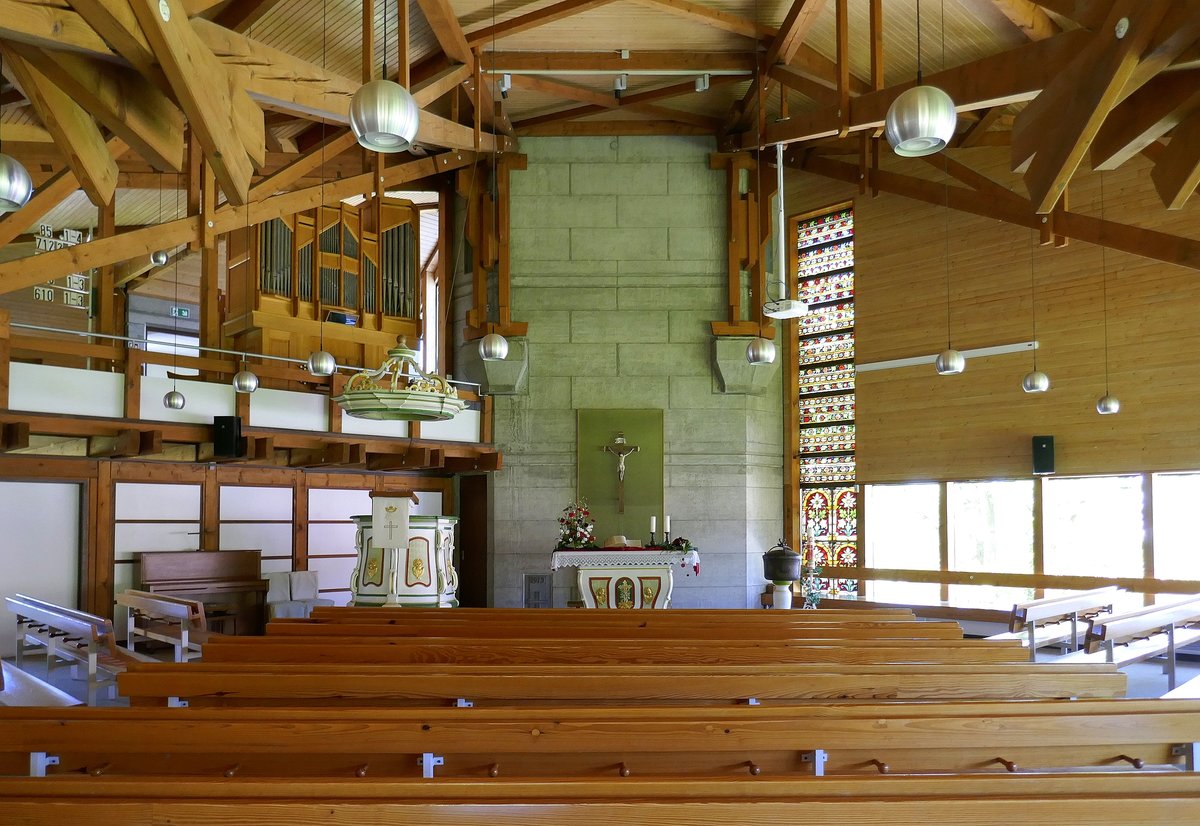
[[74, 290]]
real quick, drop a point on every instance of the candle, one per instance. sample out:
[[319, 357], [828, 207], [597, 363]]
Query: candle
[[653, 524], [667, 523]]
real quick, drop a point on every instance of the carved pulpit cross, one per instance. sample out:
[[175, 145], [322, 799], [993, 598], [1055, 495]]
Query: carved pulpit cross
[[620, 449]]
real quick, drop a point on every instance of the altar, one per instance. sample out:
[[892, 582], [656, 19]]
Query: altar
[[626, 577]]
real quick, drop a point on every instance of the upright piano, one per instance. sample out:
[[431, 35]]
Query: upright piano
[[229, 583]]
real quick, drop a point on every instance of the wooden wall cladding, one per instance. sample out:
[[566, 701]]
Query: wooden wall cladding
[[915, 425]]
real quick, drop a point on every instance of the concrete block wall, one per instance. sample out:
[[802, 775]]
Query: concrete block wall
[[618, 264]]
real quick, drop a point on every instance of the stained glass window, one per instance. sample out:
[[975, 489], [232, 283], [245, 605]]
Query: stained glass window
[[825, 386]]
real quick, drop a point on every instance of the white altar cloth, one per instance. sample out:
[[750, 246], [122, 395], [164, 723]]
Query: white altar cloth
[[626, 577]]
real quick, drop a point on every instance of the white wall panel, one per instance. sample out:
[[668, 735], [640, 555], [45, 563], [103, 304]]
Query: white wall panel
[[330, 538], [132, 537], [373, 427], [245, 502], [462, 428], [271, 539], [334, 573], [47, 389], [149, 501], [204, 400], [39, 547], [430, 504], [330, 503], [289, 409]]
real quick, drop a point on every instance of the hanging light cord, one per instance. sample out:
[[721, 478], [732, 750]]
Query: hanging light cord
[[946, 181], [1033, 291], [175, 357], [1104, 285], [918, 42]]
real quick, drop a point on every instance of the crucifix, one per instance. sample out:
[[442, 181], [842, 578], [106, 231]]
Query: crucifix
[[620, 449]]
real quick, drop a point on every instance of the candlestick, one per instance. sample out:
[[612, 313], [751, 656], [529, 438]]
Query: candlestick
[[667, 524], [652, 539], [667, 537]]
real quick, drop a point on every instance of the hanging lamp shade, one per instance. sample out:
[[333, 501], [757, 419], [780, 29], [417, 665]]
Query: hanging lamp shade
[[760, 351], [493, 347], [949, 362], [383, 116], [174, 400], [322, 363], [1035, 381], [245, 381], [1108, 404], [920, 121], [158, 257], [15, 184]]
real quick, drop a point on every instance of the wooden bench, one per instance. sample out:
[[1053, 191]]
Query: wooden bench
[[560, 742], [349, 649], [70, 635], [1098, 799], [176, 621], [551, 615], [1185, 691], [515, 685], [1157, 631], [1055, 620], [18, 688]]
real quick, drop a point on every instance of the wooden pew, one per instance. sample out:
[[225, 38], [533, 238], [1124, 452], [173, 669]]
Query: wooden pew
[[1141, 635], [84, 639], [645, 629], [176, 621], [565, 742], [1053, 799], [519, 685], [543, 615], [1055, 620], [347, 649]]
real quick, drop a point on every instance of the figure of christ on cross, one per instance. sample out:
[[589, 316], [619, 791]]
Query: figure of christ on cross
[[620, 449]]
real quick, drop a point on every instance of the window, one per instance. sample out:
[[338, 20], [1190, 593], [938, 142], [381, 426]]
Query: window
[[1094, 525], [991, 529], [903, 531], [1176, 524]]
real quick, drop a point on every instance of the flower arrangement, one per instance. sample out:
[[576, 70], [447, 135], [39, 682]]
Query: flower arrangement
[[575, 526]]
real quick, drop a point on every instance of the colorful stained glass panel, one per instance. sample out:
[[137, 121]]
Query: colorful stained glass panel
[[833, 439], [837, 347], [827, 379], [827, 409]]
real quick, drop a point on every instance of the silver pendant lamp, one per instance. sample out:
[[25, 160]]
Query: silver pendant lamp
[[921, 121], [383, 115], [15, 184], [1108, 404], [760, 351], [493, 347], [322, 363], [1035, 380]]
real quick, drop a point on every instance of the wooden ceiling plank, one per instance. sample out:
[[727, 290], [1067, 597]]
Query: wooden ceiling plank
[[569, 91], [443, 82], [973, 135], [876, 34], [283, 179], [30, 270], [667, 113], [549, 14], [195, 8], [976, 180], [240, 15], [823, 95], [1177, 169], [555, 117], [202, 88], [1078, 101], [1147, 243], [675, 90], [798, 22], [1087, 13], [1143, 118], [712, 17], [124, 102], [1030, 18], [73, 129]]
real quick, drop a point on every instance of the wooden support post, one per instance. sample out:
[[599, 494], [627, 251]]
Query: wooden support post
[[210, 305], [134, 360], [104, 290], [368, 40], [195, 183], [300, 523], [210, 511], [5, 355]]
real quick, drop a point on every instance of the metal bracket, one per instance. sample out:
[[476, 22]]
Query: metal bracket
[[463, 702], [1190, 752], [428, 762], [818, 757], [38, 761]]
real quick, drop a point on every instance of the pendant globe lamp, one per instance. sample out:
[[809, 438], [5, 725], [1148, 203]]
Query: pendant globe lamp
[[493, 347], [1035, 380], [921, 121], [15, 184], [1108, 404], [245, 381], [760, 351], [949, 362], [322, 363], [383, 115]]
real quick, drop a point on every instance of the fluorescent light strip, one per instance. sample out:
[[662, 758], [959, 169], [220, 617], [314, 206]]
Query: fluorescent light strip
[[998, 350]]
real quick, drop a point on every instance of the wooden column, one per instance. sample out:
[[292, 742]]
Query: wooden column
[[106, 308], [210, 511], [300, 523], [5, 355], [96, 593]]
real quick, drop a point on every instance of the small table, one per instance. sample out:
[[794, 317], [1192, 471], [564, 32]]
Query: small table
[[626, 578]]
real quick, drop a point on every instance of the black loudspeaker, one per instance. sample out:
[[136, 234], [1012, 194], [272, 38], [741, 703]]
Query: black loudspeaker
[[1043, 455], [227, 437]]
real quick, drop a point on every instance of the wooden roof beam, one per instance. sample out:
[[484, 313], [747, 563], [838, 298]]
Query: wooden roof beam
[[239, 15], [207, 97], [724, 21], [1057, 128], [1177, 169], [61, 184], [796, 25], [973, 135], [114, 21], [1087, 13], [1141, 119], [444, 23], [1030, 18], [549, 14], [72, 127], [126, 103], [605, 62]]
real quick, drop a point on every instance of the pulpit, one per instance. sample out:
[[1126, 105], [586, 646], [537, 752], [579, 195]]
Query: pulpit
[[417, 570], [627, 577]]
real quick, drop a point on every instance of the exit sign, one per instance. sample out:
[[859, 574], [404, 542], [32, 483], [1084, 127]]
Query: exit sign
[[180, 312]]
